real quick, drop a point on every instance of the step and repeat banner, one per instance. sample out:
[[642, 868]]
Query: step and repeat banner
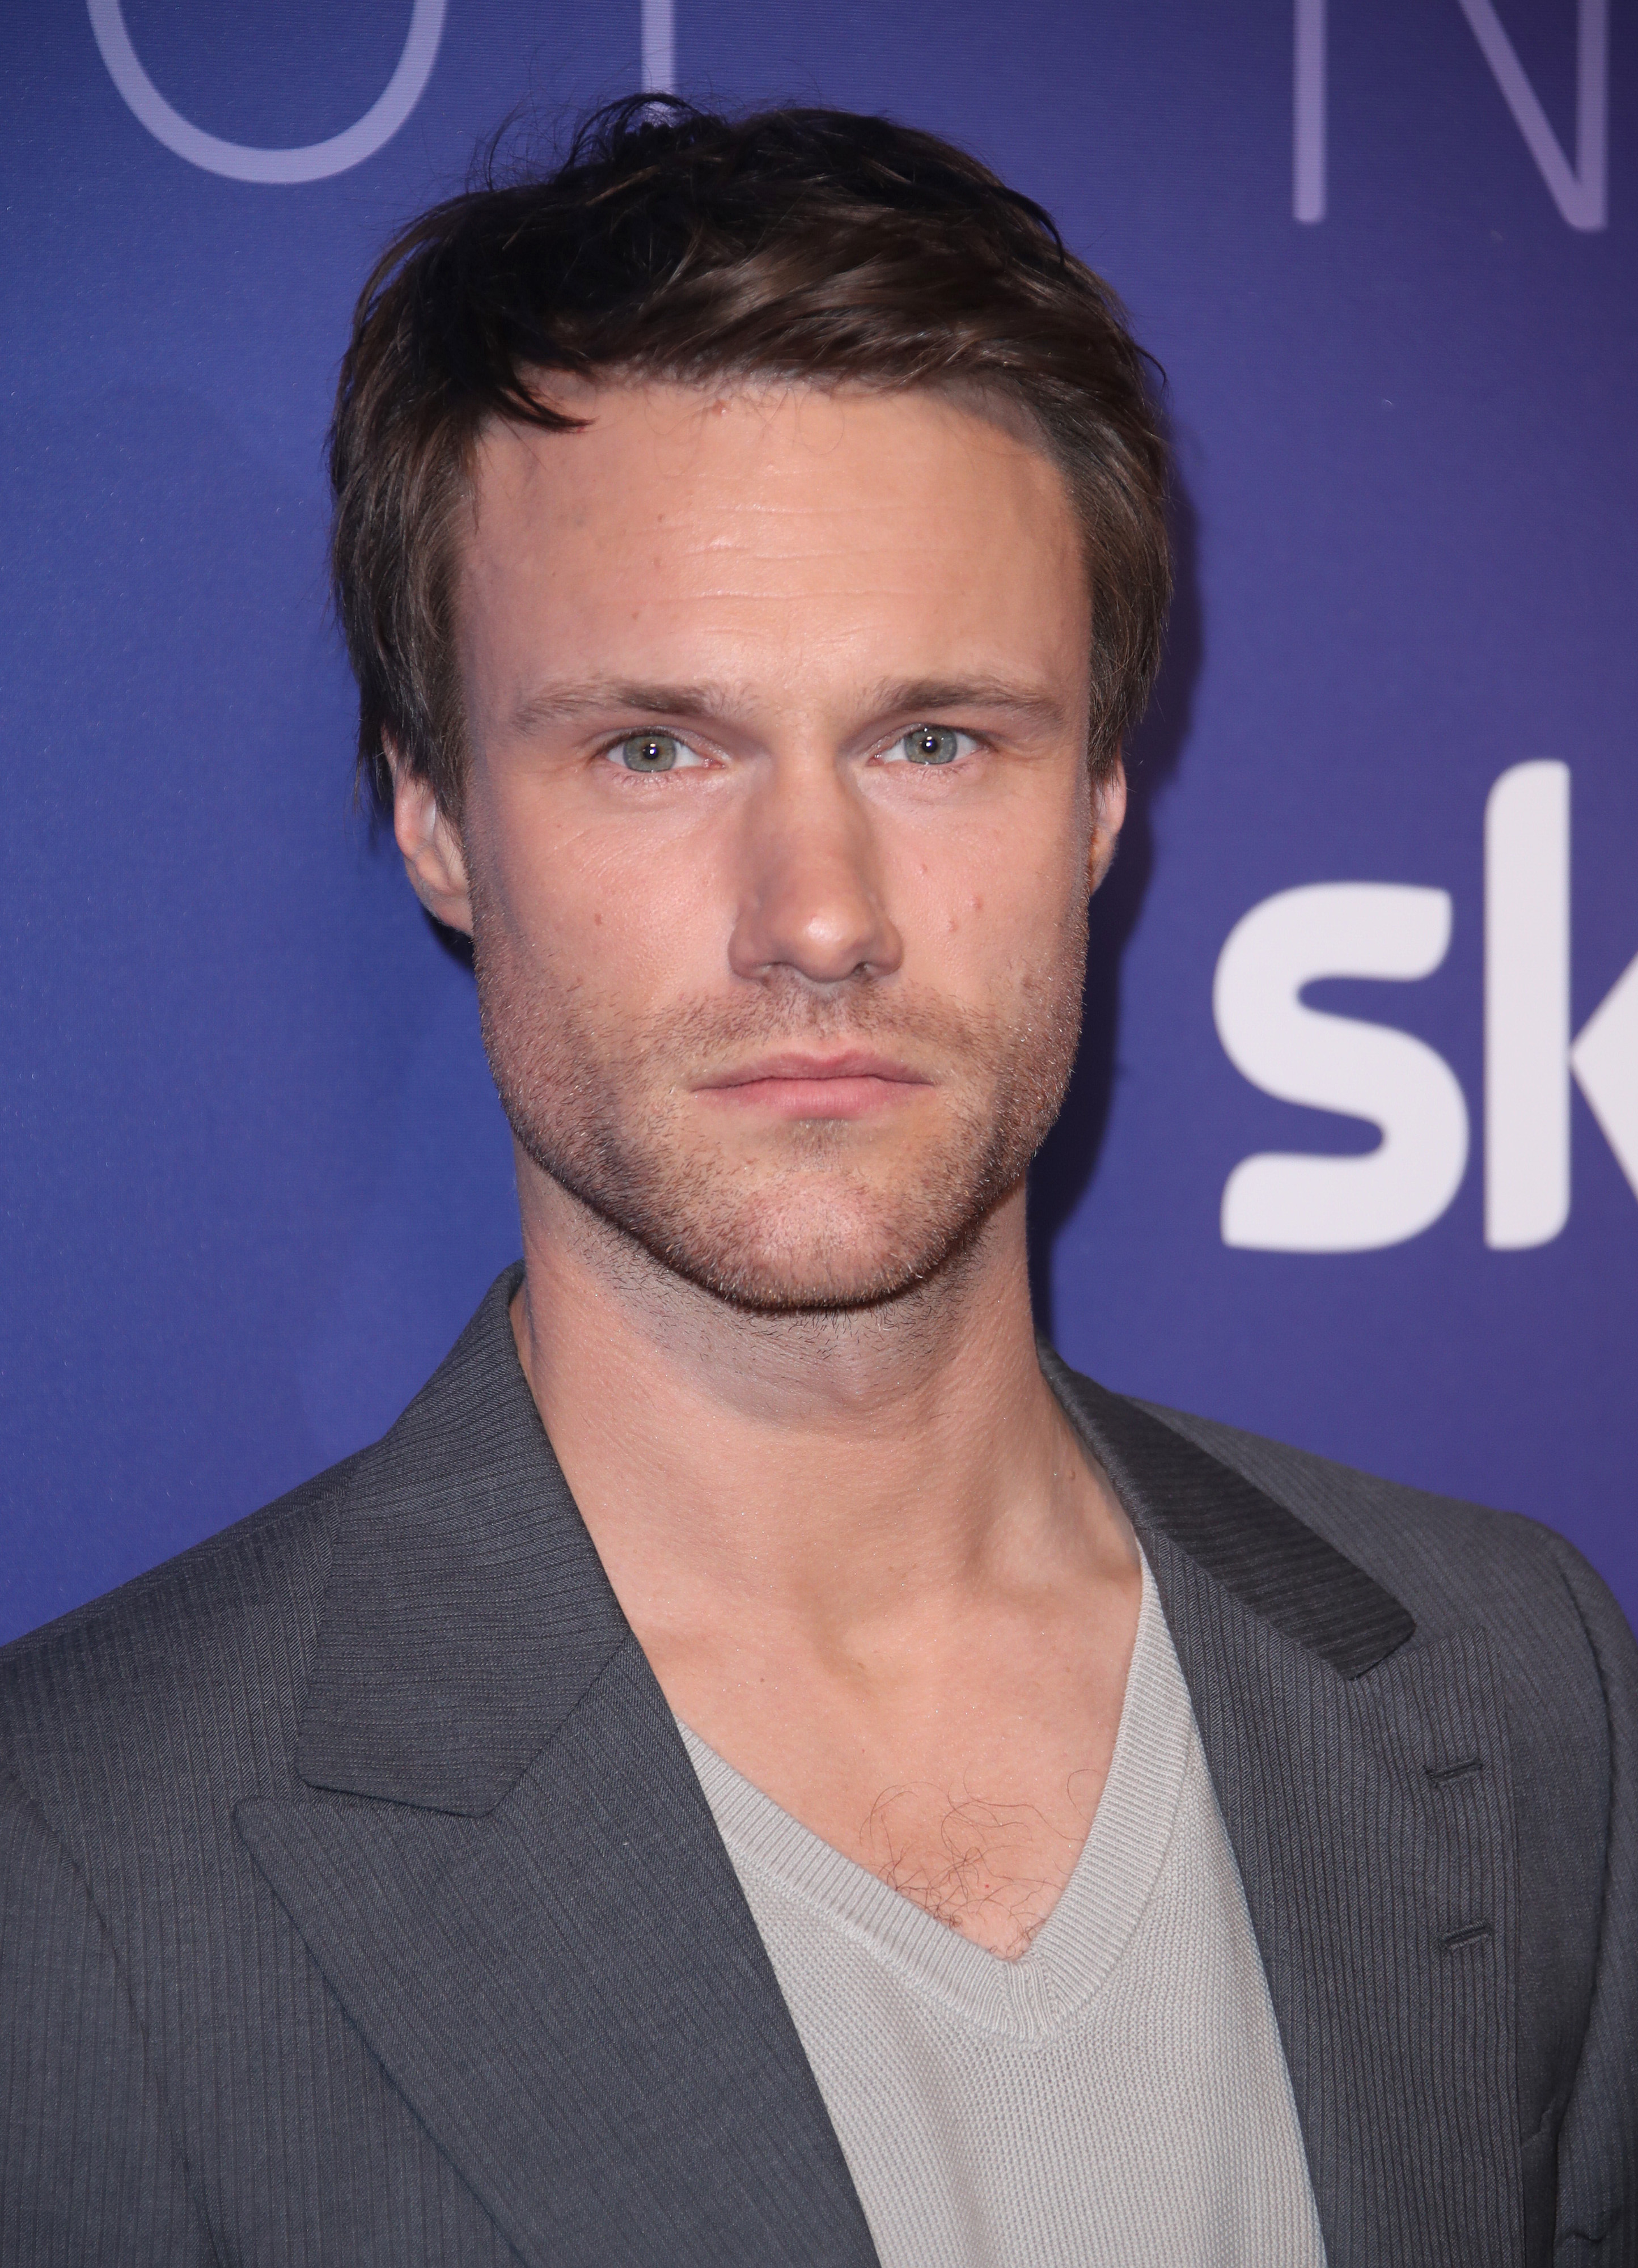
[[1352, 1152]]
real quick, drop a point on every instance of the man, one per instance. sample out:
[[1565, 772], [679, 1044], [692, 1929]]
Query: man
[[762, 1764]]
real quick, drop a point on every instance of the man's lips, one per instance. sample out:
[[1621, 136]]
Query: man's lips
[[804, 1083]]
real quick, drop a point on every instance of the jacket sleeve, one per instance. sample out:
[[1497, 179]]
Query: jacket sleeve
[[88, 2173], [1598, 2169]]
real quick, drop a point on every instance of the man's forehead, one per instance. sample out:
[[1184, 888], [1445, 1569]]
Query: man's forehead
[[688, 540], [658, 431]]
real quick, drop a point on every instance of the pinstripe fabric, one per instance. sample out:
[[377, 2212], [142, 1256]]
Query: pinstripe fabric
[[210, 2061], [329, 2064], [89, 2166], [1568, 1675], [570, 1993], [471, 1978]]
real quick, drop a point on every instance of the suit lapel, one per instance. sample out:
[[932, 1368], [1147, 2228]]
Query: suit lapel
[[511, 1881], [1362, 1776], [508, 1875]]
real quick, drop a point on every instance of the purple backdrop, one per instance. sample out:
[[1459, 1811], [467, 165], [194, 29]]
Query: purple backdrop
[[254, 1174]]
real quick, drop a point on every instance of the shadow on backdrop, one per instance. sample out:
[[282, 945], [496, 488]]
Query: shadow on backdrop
[[1060, 1176]]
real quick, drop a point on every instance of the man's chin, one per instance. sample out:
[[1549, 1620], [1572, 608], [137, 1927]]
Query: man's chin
[[787, 1288], [822, 1222], [812, 1258]]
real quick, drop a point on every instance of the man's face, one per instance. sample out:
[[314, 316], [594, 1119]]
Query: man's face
[[773, 994]]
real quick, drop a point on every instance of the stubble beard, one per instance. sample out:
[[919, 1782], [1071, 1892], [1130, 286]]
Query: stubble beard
[[815, 1219]]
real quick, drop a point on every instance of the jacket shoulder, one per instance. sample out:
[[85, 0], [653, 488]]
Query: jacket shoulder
[[216, 1637], [200, 1665], [1567, 1671], [1452, 1563]]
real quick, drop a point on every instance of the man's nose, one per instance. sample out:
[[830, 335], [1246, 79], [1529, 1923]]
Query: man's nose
[[810, 900]]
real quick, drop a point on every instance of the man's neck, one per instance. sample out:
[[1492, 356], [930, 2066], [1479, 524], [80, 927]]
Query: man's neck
[[816, 1463], [864, 1554]]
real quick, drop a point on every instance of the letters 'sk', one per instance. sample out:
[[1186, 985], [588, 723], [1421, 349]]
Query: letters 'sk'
[[1291, 1202]]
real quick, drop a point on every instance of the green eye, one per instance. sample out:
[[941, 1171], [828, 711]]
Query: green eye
[[649, 752], [931, 744]]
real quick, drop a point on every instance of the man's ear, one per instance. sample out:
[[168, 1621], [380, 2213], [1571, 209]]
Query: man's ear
[[1108, 818], [433, 858]]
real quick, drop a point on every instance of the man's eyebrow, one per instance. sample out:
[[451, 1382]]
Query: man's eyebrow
[[596, 697], [567, 703], [931, 696]]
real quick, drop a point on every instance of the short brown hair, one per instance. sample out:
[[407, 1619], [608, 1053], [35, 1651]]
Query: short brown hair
[[801, 245]]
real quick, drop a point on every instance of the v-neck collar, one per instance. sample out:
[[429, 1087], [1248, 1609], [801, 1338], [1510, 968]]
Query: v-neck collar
[[503, 1862], [1082, 1940]]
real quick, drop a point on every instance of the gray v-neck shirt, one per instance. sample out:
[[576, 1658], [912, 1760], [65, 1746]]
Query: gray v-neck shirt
[[1118, 2094]]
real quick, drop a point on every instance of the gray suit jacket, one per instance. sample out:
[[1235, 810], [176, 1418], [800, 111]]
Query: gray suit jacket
[[360, 1904]]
